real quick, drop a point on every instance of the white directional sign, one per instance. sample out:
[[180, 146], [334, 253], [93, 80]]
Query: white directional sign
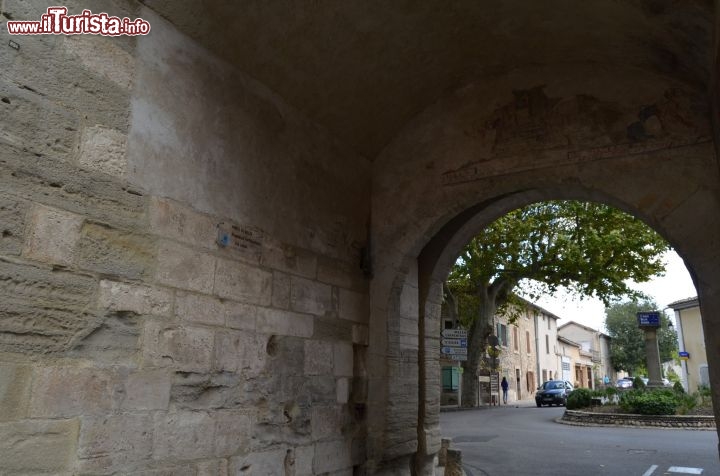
[[458, 357], [454, 350], [455, 333], [455, 342]]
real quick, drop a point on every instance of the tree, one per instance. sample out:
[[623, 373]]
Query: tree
[[627, 350], [587, 248]]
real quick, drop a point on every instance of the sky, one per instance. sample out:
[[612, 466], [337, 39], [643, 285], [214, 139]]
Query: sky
[[675, 285]]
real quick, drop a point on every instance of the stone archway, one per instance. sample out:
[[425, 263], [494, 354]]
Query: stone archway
[[470, 159]]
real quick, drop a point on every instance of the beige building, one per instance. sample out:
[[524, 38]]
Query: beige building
[[518, 359], [576, 363], [593, 343], [691, 339]]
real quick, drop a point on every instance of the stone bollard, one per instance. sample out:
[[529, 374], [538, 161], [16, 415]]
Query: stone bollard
[[454, 463], [442, 454]]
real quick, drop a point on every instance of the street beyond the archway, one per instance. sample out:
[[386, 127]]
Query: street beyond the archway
[[525, 440]]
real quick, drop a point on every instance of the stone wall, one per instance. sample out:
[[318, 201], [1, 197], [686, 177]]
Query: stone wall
[[685, 422], [132, 341]]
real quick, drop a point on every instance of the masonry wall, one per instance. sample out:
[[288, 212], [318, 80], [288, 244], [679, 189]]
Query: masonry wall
[[131, 340]]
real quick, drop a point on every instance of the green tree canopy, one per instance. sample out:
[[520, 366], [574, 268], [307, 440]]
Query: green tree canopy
[[588, 248], [627, 349]]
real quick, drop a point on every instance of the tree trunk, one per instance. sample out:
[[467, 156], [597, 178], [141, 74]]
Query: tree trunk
[[479, 331]]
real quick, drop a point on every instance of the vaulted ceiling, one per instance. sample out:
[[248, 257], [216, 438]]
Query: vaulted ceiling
[[363, 68]]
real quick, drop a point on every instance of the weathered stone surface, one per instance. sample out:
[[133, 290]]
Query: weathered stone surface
[[114, 340], [343, 359], [233, 432], [110, 441], [342, 390], [114, 252], [290, 259], [303, 459], [213, 468], [354, 306], [185, 268], [53, 235], [310, 297], [66, 187], [281, 290], [200, 309], [360, 335], [332, 328], [265, 463], [14, 391], [36, 124], [244, 283], [12, 224], [119, 296], [103, 150], [70, 391], [341, 273], [189, 349], [332, 456], [172, 220], [103, 57], [146, 390], [272, 321], [183, 435], [196, 391], [38, 446], [318, 357], [238, 351], [326, 422], [41, 310]]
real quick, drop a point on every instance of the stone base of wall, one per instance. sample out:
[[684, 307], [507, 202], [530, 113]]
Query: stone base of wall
[[577, 417]]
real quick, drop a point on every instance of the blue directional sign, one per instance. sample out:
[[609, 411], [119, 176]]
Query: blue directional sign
[[684, 355], [648, 319]]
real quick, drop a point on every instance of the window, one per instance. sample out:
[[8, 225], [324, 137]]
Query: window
[[516, 340], [547, 344], [549, 323], [502, 334], [447, 324], [544, 375], [527, 341]]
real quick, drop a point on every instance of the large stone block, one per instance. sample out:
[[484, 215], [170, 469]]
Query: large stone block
[[233, 432], [310, 297], [110, 441], [104, 57], [200, 309], [244, 283], [184, 435], [53, 235], [103, 150], [12, 224], [238, 351], [64, 186], [332, 328], [354, 306], [318, 357], [113, 341], [332, 456], [146, 390], [14, 391], [303, 460], [70, 391], [38, 446], [342, 390], [188, 349], [185, 268], [260, 463], [114, 252], [281, 290], [343, 359], [119, 296], [341, 273], [172, 220], [290, 259], [217, 467], [272, 321], [32, 122], [42, 310], [326, 422]]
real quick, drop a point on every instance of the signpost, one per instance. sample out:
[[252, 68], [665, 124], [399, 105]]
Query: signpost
[[649, 321], [454, 344], [684, 355]]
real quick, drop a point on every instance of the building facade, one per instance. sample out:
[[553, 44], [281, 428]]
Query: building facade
[[691, 344], [594, 345]]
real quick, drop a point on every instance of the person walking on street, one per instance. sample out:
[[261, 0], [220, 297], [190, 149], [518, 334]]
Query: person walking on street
[[504, 384]]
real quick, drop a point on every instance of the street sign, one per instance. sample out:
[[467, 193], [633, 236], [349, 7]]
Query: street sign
[[458, 357], [455, 333], [648, 319], [455, 342], [684, 355], [454, 350]]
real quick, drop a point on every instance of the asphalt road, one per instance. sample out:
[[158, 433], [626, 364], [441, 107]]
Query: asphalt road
[[525, 440]]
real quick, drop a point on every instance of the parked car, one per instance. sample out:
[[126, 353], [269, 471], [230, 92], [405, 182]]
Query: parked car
[[553, 392], [626, 382]]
